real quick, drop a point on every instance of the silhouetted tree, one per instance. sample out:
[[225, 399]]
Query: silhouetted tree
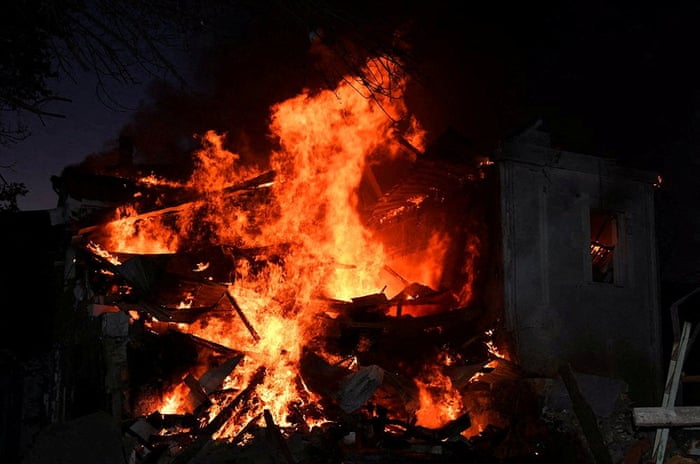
[[9, 192], [43, 40]]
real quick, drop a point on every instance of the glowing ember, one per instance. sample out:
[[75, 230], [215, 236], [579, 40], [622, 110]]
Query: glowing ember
[[97, 250], [493, 349], [201, 267], [187, 302]]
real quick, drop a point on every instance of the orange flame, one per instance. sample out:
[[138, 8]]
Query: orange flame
[[133, 233], [326, 141], [440, 402]]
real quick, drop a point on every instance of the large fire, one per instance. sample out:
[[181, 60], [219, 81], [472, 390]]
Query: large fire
[[310, 215]]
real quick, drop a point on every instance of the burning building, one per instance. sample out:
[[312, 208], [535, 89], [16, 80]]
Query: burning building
[[361, 293]]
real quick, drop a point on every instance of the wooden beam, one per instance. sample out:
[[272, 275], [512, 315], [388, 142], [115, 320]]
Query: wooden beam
[[243, 317], [277, 437], [679, 416], [194, 199], [586, 417], [671, 390]]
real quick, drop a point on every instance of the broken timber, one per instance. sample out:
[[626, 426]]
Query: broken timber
[[585, 416], [193, 199], [220, 419], [277, 437], [670, 390], [243, 317], [679, 416]]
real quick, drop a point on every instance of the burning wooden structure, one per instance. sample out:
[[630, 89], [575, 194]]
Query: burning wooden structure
[[210, 358], [357, 297]]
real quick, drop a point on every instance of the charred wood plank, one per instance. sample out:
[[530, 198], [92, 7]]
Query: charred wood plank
[[461, 318], [214, 378], [450, 430], [502, 370], [398, 276], [460, 375], [247, 428], [401, 392], [586, 417], [190, 200], [160, 212], [212, 427], [164, 421], [164, 328], [224, 415], [243, 317], [373, 299], [277, 437], [254, 183], [358, 387], [429, 435], [678, 416], [154, 311], [142, 430], [184, 316], [196, 390], [454, 428], [181, 438], [320, 376], [216, 347], [392, 342]]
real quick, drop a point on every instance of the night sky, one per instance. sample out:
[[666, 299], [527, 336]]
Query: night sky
[[606, 79]]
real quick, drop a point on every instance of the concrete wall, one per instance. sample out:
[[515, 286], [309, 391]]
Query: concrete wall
[[555, 311]]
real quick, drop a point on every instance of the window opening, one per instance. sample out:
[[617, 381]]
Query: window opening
[[604, 239]]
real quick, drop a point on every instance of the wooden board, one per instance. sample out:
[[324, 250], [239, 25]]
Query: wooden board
[[679, 416]]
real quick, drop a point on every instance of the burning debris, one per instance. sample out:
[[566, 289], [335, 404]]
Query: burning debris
[[312, 307]]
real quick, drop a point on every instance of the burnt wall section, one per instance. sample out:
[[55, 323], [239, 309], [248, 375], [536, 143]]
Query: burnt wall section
[[579, 289]]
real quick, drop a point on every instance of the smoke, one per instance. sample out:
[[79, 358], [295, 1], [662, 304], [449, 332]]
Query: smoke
[[272, 53]]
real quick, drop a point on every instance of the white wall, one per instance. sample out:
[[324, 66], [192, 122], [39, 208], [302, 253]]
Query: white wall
[[555, 312]]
